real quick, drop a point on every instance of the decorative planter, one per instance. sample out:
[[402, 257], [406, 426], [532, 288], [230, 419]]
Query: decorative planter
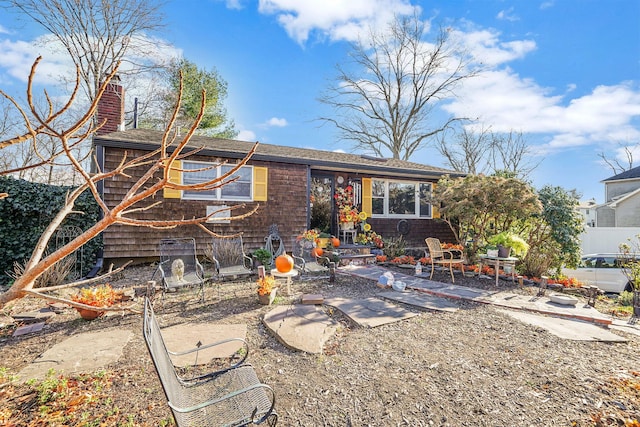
[[322, 242], [347, 225], [87, 314], [504, 251], [267, 299], [492, 252]]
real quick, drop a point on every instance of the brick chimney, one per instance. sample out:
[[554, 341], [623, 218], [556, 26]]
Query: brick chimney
[[111, 107]]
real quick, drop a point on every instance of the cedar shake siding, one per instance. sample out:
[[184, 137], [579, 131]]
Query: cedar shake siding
[[288, 171], [286, 206]]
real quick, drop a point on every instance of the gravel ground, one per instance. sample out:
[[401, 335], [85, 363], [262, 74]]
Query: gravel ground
[[474, 367]]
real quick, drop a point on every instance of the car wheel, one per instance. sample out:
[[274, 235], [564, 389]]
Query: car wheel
[[628, 288]]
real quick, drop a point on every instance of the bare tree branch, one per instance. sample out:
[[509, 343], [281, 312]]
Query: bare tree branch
[[388, 104], [618, 166], [156, 178]]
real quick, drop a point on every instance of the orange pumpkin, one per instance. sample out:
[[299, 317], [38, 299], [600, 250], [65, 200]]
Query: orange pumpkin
[[317, 252], [284, 263], [335, 242]]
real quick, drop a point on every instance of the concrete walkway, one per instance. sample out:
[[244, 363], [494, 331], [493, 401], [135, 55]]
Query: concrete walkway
[[505, 299]]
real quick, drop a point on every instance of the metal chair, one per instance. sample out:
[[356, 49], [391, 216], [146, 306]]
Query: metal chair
[[305, 258], [179, 265], [229, 258]]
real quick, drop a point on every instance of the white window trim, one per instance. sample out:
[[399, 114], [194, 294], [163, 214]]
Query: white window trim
[[218, 195], [416, 185]]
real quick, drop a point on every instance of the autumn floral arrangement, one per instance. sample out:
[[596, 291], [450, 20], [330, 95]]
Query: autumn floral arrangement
[[266, 285], [309, 235], [370, 237], [347, 212], [100, 296]]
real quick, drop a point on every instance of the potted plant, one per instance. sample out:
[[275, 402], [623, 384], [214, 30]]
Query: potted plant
[[266, 290], [508, 242], [323, 240], [263, 256], [100, 296]]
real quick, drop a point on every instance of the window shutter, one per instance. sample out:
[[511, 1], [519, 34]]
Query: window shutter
[[175, 176], [366, 196], [435, 212], [260, 178]]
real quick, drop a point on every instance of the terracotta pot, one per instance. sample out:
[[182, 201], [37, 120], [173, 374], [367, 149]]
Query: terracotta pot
[[87, 314]]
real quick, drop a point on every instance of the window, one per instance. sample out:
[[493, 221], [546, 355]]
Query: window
[[241, 189], [400, 198]]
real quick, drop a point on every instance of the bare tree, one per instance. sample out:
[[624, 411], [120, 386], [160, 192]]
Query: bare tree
[[483, 151], [512, 155], [471, 151], [617, 165], [140, 196], [386, 103], [95, 33]]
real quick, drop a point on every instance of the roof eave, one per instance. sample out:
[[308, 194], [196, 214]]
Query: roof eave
[[314, 164]]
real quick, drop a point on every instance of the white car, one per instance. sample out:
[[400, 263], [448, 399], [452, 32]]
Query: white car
[[601, 270]]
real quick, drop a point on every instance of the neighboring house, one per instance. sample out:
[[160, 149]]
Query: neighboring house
[[286, 182], [588, 211], [622, 200]]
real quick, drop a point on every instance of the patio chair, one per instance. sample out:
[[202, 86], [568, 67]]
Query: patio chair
[[306, 260], [179, 265], [443, 257], [229, 259]]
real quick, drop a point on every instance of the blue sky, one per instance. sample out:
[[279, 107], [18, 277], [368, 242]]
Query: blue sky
[[565, 72]]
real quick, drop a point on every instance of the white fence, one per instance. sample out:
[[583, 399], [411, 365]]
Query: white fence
[[606, 239]]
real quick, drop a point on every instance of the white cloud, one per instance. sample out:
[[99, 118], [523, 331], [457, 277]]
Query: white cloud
[[547, 5], [246, 135], [276, 122], [505, 101], [486, 47], [234, 4], [335, 19], [507, 15], [17, 57], [3, 30]]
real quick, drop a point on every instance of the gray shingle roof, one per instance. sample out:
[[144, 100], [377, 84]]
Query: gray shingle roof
[[147, 139], [629, 174]]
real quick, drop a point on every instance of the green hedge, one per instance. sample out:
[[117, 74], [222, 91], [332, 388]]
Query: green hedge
[[28, 210]]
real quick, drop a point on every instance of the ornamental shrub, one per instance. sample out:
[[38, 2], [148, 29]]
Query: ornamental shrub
[[28, 210]]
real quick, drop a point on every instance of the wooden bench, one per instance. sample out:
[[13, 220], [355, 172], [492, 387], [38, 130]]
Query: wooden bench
[[232, 396]]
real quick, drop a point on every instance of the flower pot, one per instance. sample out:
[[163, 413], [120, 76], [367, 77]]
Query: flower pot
[[268, 298], [504, 251], [87, 314], [347, 225], [322, 242]]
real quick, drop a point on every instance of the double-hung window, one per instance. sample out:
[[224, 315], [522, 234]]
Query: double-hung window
[[199, 172], [400, 199]]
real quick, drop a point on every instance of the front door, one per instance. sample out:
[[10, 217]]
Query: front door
[[321, 203]]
